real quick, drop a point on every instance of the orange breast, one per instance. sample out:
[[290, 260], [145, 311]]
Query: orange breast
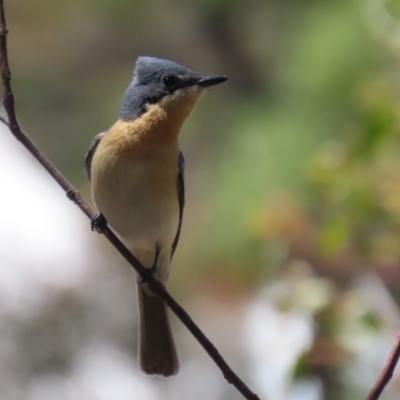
[[134, 173]]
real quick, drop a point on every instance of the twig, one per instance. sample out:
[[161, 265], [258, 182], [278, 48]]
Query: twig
[[75, 196], [387, 372]]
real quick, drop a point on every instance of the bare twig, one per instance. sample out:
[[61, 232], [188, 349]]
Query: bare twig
[[387, 372], [75, 196]]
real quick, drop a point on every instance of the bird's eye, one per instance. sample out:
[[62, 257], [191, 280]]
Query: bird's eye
[[170, 81]]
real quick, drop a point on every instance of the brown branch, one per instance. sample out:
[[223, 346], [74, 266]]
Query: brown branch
[[75, 196], [387, 372]]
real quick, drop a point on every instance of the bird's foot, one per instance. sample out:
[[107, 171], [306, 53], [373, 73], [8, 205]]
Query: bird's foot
[[154, 267], [98, 223], [151, 271], [144, 278]]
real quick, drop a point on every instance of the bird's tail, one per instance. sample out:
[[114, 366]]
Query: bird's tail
[[157, 350]]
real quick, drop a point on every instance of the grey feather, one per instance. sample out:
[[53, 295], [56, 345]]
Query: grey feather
[[147, 85], [180, 183], [89, 155], [157, 351]]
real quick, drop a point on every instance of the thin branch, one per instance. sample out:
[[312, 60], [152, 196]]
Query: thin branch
[[75, 196], [387, 372]]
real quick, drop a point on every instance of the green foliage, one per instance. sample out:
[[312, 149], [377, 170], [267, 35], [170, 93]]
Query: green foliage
[[393, 8]]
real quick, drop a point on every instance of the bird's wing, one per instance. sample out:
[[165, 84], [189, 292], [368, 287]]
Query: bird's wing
[[180, 183], [90, 153]]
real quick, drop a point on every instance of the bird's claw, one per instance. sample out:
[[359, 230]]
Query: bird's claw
[[143, 279], [98, 223]]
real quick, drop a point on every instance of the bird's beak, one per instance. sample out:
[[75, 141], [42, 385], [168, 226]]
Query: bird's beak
[[208, 81]]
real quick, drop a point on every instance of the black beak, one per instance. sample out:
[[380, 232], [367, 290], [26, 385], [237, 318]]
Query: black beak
[[208, 81]]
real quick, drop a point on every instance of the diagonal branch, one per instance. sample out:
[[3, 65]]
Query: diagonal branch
[[76, 197], [387, 372]]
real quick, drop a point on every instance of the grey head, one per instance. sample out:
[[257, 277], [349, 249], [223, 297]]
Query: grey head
[[155, 79]]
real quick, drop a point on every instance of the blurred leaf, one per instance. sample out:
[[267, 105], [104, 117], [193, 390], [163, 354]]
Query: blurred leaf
[[393, 8], [303, 368], [335, 236]]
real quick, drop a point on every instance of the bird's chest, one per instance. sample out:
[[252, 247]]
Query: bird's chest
[[137, 193]]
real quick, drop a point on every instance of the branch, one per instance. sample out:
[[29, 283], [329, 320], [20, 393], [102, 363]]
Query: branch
[[75, 196], [387, 372]]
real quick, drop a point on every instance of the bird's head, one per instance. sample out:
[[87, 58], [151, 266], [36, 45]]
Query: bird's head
[[166, 84]]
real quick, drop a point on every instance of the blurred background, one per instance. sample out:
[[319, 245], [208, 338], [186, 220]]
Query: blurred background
[[290, 250]]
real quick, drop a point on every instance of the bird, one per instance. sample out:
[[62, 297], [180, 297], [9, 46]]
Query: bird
[[136, 171]]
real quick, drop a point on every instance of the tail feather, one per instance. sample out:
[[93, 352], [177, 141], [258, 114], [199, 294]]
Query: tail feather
[[157, 352]]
